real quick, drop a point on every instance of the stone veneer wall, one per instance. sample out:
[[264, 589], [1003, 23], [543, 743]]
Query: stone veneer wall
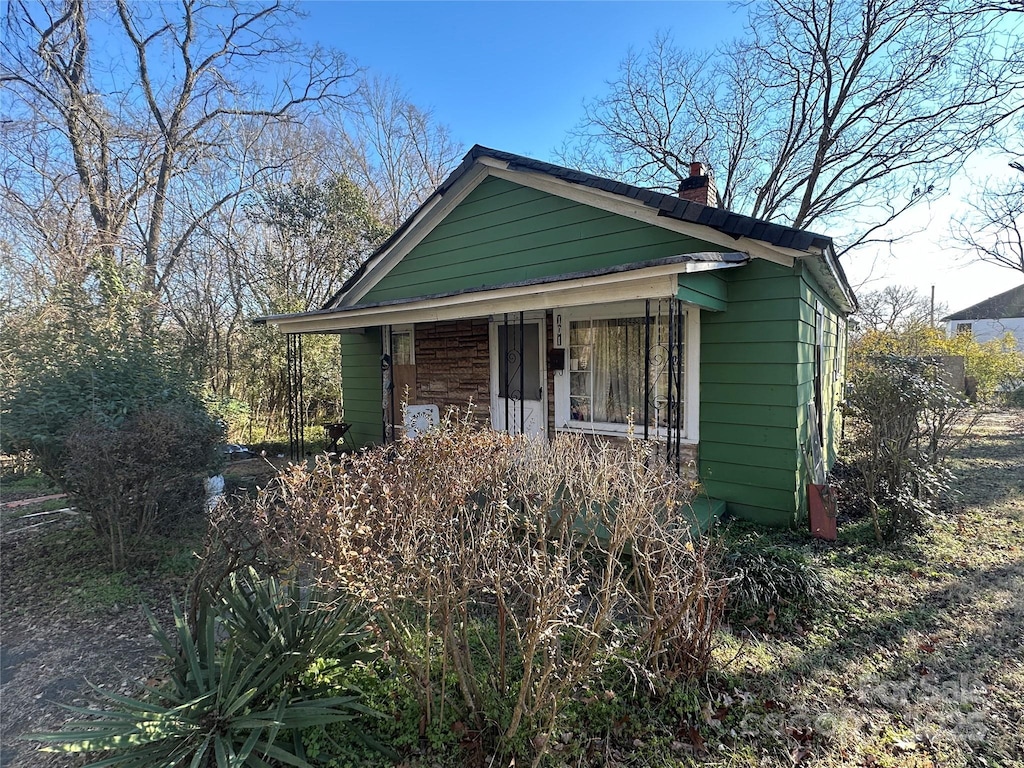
[[453, 366]]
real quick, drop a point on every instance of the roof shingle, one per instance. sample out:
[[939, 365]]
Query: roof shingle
[[1007, 304], [670, 206]]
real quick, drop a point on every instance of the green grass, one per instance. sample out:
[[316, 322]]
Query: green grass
[[61, 567], [33, 481]]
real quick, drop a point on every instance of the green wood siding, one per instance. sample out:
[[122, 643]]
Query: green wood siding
[[504, 233], [757, 332], [706, 290], [832, 386], [361, 385], [750, 376]]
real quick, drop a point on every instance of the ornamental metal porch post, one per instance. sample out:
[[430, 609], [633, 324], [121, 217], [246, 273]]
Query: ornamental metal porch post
[[296, 399]]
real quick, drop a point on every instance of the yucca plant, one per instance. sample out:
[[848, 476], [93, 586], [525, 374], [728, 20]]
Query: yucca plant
[[235, 694]]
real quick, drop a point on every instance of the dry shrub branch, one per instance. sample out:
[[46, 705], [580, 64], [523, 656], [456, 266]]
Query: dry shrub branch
[[503, 573]]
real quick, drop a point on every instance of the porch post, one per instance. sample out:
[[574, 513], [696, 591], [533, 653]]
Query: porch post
[[393, 416], [522, 374], [508, 393], [671, 359], [647, 368], [680, 400], [296, 399]]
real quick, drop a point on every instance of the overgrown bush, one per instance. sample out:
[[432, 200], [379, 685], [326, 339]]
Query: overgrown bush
[[141, 477], [995, 366], [108, 414], [907, 420], [261, 666], [1015, 397], [503, 573]]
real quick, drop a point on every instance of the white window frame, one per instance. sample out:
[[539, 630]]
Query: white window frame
[[405, 328], [562, 318]]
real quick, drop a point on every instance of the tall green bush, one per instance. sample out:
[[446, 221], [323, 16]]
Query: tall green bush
[[907, 419], [108, 414]]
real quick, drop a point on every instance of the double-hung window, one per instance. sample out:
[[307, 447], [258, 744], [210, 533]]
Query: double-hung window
[[625, 366]]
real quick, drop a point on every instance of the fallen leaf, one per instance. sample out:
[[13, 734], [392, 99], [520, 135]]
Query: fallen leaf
[[803, 735], [905, 745], [696, 740], [799, 754]]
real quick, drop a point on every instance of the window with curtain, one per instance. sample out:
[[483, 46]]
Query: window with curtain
[[606, 371]]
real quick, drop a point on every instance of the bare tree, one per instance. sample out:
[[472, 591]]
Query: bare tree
[[827, 111], [895, 308], [397, 152], [993, 230], [164, 97]]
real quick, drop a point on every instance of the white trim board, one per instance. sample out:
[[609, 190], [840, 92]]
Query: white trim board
[[435, 211], [657, 282]]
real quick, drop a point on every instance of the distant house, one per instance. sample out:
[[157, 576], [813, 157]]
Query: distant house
[[992, 318], [559, 301]]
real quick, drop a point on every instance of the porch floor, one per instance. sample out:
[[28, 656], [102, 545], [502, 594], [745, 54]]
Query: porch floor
[[706, 512]]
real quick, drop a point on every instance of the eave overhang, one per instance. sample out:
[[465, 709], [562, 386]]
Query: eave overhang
[[830, 275], [644, 280]]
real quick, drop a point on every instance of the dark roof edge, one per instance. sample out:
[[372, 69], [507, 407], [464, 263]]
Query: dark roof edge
[[669, 206], [994, 307], [727, 259]]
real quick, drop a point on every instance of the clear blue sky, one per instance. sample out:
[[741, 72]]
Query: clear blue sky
[[514, 75], [510, 75]]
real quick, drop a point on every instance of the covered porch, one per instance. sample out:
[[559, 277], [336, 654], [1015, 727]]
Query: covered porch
[[609, 353]]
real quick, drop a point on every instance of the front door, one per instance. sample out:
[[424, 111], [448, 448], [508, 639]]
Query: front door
[[518, 404]]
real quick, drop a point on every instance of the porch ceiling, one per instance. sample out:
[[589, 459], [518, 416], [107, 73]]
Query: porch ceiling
[[647, 280]]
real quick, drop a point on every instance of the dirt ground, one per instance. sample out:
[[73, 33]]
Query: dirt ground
[[64, 620], [53, 642]]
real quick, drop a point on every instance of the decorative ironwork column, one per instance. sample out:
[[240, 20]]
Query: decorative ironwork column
[[296, 399], [387, 388], [664, 379], [522, 374]]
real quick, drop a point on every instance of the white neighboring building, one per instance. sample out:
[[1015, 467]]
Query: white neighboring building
[[992, 318]]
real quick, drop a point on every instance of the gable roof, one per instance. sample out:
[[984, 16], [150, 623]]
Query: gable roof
[[660, 208], [1007, 304]]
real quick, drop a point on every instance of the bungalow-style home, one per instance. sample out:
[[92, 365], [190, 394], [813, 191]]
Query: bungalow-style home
[[558, 301], [992, 318]]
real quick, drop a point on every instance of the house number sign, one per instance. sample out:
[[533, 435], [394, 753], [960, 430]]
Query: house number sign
[[558, 330]]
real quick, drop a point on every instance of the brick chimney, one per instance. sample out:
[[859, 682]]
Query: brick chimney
[[700, 187]]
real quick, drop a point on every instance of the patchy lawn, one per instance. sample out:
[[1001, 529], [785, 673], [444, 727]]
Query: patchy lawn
[[923, 664]]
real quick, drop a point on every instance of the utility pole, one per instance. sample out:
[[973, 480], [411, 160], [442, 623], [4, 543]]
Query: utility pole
[[931, 314]]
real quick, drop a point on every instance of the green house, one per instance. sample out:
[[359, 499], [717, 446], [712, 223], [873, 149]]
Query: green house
[[556, 301]]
